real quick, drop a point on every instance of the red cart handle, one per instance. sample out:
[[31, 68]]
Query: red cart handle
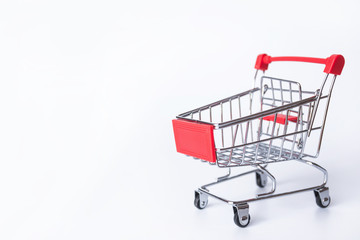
[[333, 64]]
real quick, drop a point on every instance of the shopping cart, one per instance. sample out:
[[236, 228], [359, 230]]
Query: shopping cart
[[267, 124]]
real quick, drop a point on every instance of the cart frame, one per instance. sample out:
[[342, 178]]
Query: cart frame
[[191, 130]]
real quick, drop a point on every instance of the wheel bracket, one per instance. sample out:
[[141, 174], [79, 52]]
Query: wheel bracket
[[242, 210]]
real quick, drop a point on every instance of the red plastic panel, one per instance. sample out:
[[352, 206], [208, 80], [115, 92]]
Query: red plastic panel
[[262, 62], [195, 139], [281, 118], [333, 64]]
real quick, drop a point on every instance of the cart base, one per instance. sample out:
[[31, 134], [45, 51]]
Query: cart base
[[241, 207]]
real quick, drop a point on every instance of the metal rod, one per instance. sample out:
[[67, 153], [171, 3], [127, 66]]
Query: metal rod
[[284, 132], [222, 179], [317, 103], [325, 116], [272, 136], [241, 128], [273, 181], [267, 112], [219, 179], [264, 140], [244, 147], [219, 102], [204, 189]]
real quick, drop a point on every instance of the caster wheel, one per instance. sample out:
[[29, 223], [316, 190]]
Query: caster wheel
[[200, 200], [322, 197], [241, 215], [261, 179], [241, 222]]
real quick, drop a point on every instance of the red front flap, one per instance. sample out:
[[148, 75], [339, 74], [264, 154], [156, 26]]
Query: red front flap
[[195, 139]]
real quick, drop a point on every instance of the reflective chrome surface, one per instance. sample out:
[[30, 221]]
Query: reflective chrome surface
[[243, 138]]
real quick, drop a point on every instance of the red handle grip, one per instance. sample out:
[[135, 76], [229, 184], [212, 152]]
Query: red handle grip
[[333, 64]]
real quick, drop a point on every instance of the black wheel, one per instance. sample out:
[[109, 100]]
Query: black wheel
[[260, 181], [319, 202], [199, 204], [241, 223]]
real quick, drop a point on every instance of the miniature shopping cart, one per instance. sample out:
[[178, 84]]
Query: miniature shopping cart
[[270, 123]]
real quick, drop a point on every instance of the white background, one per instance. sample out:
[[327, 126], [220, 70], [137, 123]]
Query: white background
[[88, 90]]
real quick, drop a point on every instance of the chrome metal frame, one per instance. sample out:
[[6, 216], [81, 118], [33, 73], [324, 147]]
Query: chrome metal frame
[[204, 189], [251, 145]]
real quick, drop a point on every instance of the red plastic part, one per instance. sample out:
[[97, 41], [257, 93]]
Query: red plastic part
[[195, 139], [333, 64], [281, 118], [262, 62]]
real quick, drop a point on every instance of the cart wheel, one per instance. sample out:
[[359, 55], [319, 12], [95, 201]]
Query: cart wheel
[[200, 200], [322, 197], [261, 179], [243, 222], [241, 215]]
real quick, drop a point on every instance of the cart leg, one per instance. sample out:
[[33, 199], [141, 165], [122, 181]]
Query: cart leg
[[225, 176], [323, 170], [201, 199], [322, 197], [273, 181], [241, 214]]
